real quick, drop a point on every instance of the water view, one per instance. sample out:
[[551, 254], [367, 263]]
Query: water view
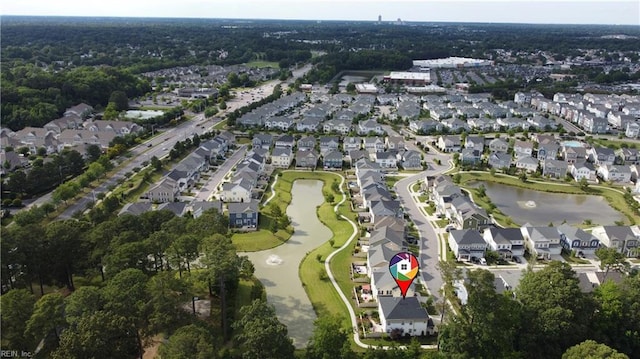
[[277, 268], [541, 208]]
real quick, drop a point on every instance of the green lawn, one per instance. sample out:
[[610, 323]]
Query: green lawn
[[259, 240], [391, 180], [221, 125], [261, 64], [442, 222], [614, 144]]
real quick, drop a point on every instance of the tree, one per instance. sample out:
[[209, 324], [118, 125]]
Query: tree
[[190, 341], [83, 302], [93, 152], [111, 112], [592, 350], [65, 191], [48, 315], [209, 223], [98, 335], [486, 325], [523, 176], [261, 334], [351, 88], [15, 311], [120, 100], [610, 258], [584, 184], [64, 242], [221, 268], [166, 294], [329, 340], [556, 314]]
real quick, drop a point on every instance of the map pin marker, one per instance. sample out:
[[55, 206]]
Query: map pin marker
[[404, 269]]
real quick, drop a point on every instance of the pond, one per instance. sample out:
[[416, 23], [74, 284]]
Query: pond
[[541, 208], [277, 268]]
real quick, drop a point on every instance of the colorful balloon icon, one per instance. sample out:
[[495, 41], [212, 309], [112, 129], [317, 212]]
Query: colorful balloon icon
[[404, 269]]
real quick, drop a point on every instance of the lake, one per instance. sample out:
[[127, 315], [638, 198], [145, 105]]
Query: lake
[[277, 268], [541, 208]]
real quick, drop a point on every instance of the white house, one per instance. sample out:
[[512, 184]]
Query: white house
[[404, 316]]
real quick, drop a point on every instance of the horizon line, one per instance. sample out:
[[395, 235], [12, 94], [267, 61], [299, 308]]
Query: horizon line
[[375, 21]]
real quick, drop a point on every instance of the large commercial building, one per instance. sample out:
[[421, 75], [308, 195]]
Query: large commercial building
[[409, 78], [452, 62]]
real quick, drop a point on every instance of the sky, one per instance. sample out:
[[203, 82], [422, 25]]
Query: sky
[[618, 12]]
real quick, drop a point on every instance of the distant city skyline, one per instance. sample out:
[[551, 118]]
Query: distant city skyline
[[617, 12]]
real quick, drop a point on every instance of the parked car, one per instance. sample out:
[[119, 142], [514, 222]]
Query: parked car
[[483, 261]]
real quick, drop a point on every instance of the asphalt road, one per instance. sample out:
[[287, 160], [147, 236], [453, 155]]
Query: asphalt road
[[429, 242], [216, 178]]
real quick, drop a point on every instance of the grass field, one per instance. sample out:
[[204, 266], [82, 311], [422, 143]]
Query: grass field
[[259, 240], [261, 64]]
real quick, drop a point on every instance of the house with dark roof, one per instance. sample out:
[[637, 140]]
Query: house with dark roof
[[498, 145], [306, 159], [282, 157], [306, 143], [601, 155], [236, 192], [470, 156], [164, 191], [499, 160], [243, 215], [578, 240], [555, 169], [542, 242], [465, 214], [136, 208], [352, 143], [411, 160], [467, 244], [508, 242], [449, 143], [285, 141], [332, 160], [583, 169], [474, 142], [329, 143], [622, 238], [177, 208], [199, 207], [404, 316], [263, 140], [386, 159]]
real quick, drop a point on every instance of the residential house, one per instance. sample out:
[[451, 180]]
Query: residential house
[[286, 141], [411, 160], [574, 154], [449, 143], [243, 215], [198, 208], [384, 208], [263, 140], [555, 168], [9, 161], [352, 144], [373, 144], [580, 170], [508, 242], [386, 159], [522, 149], [306, 143], [632, 130], [236, 192], [177, 208], [81, 110], [622, 238], [282, 157], [548, 151], [578, 240], [470, 156], [542, 242], [614, 173], [329, 143], [306, 159], [339, 126], [467, 244], [370, 126], [498, 145], [601, 155], [404, 316], [64, 123], [283, 123], [628, 156], [474, 142], [166, 190], [308, 124], [120, 128], [499, 160], [332, 160], [136, 208], [424, 126], [528, 164], [465, 214], [395, 143]]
